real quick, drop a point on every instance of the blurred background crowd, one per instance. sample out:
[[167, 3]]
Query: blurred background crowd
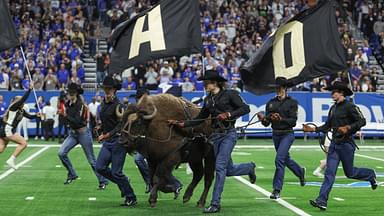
[[61, 38]]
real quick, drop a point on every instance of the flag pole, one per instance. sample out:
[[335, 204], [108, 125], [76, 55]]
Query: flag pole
[[203, 64], [30, 77], [351, 85]]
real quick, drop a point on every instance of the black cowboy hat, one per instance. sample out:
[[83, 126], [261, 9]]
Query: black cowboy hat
[[110, 82], [340, 86], [212, 75], [74, 88], [139, 93], [281, 82]]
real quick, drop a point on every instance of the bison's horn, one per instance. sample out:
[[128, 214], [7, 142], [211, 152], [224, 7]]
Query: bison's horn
[[150, 116], [119, 113]]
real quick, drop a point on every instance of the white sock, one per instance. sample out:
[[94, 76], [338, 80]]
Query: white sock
[[12, 157]]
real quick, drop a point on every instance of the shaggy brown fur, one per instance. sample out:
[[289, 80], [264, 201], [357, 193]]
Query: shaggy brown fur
[[162, 154]]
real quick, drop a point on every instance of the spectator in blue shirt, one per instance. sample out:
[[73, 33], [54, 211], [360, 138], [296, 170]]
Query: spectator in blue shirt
[[62, 75], [75, 52], [102, 8], [129, 84], [199, 85], [355, 72], [235, 76], [25, 83], [188, 72], [80, 72], [177, 81]]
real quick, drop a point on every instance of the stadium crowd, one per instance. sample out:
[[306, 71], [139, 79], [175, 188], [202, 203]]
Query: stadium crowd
[[54, 33]]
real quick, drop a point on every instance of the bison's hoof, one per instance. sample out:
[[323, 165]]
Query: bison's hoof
[[152, 203], [200, 205], [186, 199]]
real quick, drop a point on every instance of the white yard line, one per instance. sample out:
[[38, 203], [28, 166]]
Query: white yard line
[[338, 199], [29, 198], [369, 157], [267, 193], [11, 170]]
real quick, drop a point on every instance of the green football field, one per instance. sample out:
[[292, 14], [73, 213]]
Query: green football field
[[37, 188]]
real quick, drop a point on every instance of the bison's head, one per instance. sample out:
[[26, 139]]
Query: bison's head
[[135, 122], [146, 108], [129, 116]]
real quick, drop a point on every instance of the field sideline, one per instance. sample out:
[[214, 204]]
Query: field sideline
[[36, 188]]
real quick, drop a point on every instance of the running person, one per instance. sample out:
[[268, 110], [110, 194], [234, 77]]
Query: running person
[[344, 120], [11, 119], [75, 114], [110, 161], [225, 106], [281, 112]]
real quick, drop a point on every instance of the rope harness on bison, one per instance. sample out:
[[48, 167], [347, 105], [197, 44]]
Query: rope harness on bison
[[142, 136]]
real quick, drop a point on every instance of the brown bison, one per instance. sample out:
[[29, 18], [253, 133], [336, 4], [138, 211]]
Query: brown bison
[[145, 130]]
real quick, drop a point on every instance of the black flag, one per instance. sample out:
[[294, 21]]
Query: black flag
[[170, 28], [8, 37], [305, 47]]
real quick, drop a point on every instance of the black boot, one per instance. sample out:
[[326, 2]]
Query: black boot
[[374, 184], [302, 177], [69, 180], [102, 186], [317, 204], [275, 194], [129, 202], [212, 209], [252, 174]]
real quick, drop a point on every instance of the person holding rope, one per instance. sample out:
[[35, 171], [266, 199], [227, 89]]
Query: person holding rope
[[76, 115], [344, 120], [224, 106], [281, 113], [112, 152], [8, 125]]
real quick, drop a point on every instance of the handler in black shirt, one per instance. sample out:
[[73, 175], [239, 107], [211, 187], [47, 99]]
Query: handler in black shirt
[[76, 115], [344, 120], [224, 106], [112, 152], [281, 112]]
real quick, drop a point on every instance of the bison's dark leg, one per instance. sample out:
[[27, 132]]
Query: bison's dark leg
[[151, 167], [209, 173], [154, 183], [153, 194], [198, 172], [161, 176]]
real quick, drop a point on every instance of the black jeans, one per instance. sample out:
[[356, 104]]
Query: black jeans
[[62, 124], [48, 129], [39, 127], [92, 125]]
